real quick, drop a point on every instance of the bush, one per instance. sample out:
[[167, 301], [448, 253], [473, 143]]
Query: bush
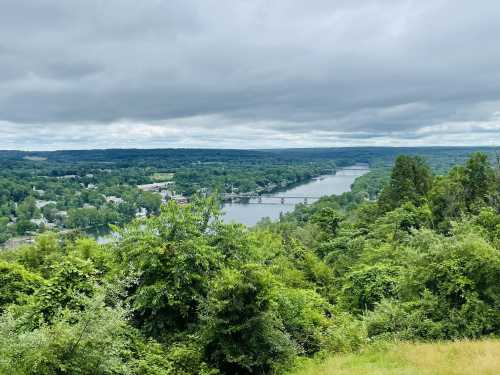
[[243, 334], [402, 321], [15, 283], [89, 341], [306, 318], [367, 285]]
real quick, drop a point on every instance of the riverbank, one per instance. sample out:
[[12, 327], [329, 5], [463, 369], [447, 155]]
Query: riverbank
[[451, 358]]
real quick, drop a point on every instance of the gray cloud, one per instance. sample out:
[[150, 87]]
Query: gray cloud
[[212, 73]]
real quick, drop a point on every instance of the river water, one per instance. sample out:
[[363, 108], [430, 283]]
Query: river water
[[253, 211]]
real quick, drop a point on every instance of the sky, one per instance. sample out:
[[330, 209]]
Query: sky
[[248, 73]]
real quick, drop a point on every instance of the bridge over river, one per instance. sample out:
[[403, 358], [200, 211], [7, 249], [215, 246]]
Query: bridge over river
[[289, 197], [268, 199], [250, 208]]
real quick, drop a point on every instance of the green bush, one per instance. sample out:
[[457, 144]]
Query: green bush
[[243, 333], [15, 283], [366, 285], [306, 317]]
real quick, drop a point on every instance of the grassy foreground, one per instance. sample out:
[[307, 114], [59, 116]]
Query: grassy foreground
[[464, 358]]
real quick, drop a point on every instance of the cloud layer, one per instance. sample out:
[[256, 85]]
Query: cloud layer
[[254, 73]]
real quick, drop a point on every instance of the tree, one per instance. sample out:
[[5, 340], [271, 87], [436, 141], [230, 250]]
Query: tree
[[462, 274], [478, 180], [27, 209], [328, 220], [4, 229], [411, 179], [93, 339], [15, 283], [242, 332], [24, 226], [174, 259], [367, 285], [151, 202]]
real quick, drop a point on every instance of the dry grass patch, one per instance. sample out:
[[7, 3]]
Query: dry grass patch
[[455, 358]]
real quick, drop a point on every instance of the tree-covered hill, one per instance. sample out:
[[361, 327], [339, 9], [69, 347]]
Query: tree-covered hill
[[182, 292]]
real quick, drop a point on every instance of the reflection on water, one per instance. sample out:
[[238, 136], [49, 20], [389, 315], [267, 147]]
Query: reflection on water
[[250, 213]]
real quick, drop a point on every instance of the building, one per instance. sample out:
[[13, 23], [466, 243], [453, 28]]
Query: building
[[62, 213], [40, 192], [179, 199], [114, 200], [156, 187], [142, 213], [42, 222], [42, 204]]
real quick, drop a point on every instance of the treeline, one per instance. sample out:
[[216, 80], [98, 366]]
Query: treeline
[[184, 293], [263, 177]]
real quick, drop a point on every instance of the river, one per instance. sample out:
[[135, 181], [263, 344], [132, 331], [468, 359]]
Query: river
[[253, 211]]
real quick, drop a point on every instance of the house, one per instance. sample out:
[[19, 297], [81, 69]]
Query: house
[[114, 200], [42, 222], [142, 213], [42, 204], [156, 187], [38, 191], [179, 199]]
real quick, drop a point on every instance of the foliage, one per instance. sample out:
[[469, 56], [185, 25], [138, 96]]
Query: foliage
[[181, 292], [244, 336], [411, 179], [367, 285], [15, 283], [174, 260]]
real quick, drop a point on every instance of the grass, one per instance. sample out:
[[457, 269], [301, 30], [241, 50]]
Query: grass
[[454, 358], [162, 176]]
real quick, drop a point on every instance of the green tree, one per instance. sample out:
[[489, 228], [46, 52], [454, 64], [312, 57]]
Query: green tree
[[93, 339], [23, 226], [151, 202], [411, 179], [328, 220], [447, 200], [369, 284], [174, 259], [243, 334], [16, 283], [27, 209], [4, 229], [478, 180]]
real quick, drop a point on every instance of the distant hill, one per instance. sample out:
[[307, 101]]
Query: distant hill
[[440, 158]]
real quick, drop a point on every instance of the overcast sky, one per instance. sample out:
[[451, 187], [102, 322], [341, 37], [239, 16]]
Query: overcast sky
[[248, 74]]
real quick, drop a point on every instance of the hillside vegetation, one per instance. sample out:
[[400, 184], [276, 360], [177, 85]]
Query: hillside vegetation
[[183, 293]]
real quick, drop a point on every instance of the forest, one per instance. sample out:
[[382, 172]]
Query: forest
[[411, 254]]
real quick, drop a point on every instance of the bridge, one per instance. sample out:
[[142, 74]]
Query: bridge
[[280, 198], [352, 169]]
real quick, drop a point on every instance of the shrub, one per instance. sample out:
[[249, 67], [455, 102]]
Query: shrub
[[16, 282], [367, 285], [243, 334]]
